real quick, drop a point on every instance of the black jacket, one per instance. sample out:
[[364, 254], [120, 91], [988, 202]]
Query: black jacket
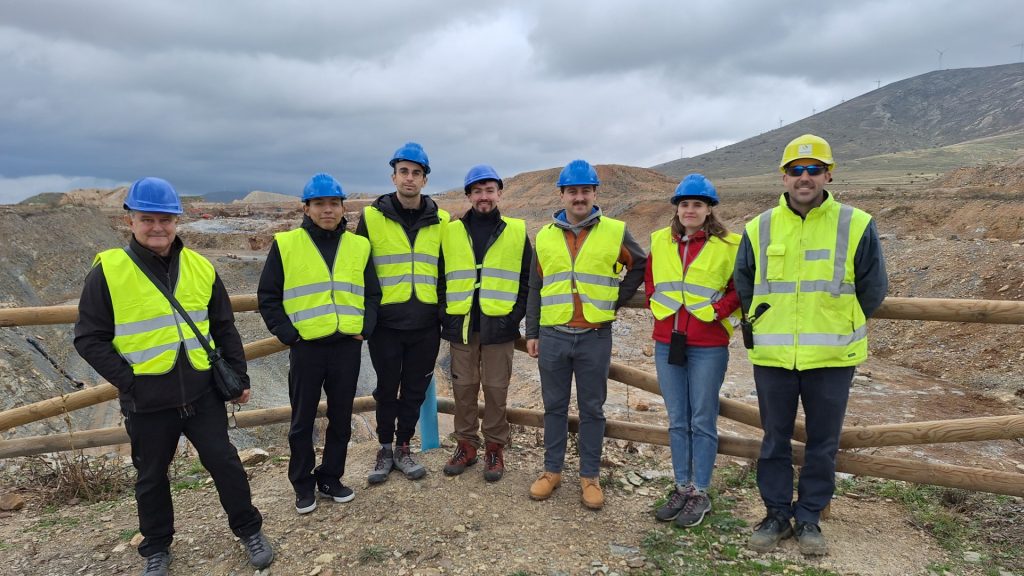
[[183, 385], [270, 292], [413, 314], [493, 330]]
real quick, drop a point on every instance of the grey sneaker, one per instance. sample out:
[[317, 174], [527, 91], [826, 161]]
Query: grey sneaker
[[261, 553], [157, 564], [404, 461], [693, 512], [811, 540], [769, 532], [676, 500], [385, 462]]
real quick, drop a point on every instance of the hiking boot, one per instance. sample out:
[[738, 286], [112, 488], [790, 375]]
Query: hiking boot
[[693, 512], [337, 492], [769, 532], [261, 553], [385, 462], [592, 496], [465, 455], [408, 465], [494, 462], [811, 540], [542, 487], [157, 564], [305, 502], [676, 500]]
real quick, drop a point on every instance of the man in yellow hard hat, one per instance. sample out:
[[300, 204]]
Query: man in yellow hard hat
[[129, 333], [809, 273]]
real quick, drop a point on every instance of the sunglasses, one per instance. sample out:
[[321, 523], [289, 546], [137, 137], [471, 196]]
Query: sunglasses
[[812, 170]]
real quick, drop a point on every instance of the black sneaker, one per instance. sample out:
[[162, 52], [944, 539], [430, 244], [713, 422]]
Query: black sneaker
[[382, 467], [339, 492], [261, 553], [812, 542], [676, 500], [697, 506], [769, 532], [157, 564], [305, 503]]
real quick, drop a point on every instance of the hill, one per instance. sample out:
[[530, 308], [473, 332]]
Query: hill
[[932, 110]]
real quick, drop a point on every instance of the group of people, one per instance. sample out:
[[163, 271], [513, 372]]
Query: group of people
[[801, 280]]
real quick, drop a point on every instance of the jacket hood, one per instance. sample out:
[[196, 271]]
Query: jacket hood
[[562, 222]]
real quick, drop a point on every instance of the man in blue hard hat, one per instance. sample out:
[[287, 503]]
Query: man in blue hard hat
[[575, 291], [487, 274], [404, 229], [319, 295], [128, 332]]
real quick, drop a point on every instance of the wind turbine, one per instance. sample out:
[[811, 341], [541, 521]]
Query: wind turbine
[[1021, 46], [878, 84], [940, 57]]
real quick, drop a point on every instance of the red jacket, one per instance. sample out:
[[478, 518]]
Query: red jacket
[[698, 333]]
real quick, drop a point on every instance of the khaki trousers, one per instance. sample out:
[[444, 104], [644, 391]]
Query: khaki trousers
[[474, 365]]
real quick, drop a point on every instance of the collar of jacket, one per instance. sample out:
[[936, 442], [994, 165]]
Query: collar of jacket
[[318, 233], [562, 221], [824, 198], [428, 210], [494, 216], [164, 268]]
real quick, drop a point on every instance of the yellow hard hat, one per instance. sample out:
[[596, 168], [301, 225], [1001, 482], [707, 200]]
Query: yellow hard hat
[[807, 146]]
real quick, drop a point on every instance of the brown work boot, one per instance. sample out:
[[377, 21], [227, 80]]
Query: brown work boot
[[592, 496], [465, 455], [494, 462], [542, 487]]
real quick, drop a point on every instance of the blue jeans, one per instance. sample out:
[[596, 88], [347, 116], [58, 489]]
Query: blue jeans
[[691, 399]]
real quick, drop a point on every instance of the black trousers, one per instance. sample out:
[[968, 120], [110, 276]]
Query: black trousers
[[824, 393], [334, 368], [404, 362], [154, 437]]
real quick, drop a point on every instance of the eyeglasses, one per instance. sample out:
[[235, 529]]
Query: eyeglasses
[[812, 170]]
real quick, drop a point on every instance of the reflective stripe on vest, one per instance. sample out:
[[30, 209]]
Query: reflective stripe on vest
[[593, 274], [148, 332], [320, 302], [702, 284], [804, 270], [404, 270]]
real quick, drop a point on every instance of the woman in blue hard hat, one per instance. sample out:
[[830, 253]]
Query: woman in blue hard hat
[[690, 292]]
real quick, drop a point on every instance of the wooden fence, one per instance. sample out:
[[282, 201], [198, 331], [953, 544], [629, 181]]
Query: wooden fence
[[852, 437]]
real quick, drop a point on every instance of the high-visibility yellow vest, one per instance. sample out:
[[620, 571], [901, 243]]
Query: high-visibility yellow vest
[[404, 270], [804, 270], [148, 332], [497, 278], [320, 302], [701, 285], [593, 274]]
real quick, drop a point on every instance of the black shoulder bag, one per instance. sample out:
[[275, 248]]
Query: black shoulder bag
[[226, 381]]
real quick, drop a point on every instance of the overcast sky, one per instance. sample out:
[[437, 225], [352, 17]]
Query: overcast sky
[[260, 94]]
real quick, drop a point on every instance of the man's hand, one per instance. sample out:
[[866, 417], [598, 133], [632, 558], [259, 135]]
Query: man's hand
[[533, 347], [244, 397], [357, 336]]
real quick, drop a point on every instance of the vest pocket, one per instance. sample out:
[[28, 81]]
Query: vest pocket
[[776, 256]]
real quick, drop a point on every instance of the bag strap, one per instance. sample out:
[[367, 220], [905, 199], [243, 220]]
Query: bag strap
[[170, 298]]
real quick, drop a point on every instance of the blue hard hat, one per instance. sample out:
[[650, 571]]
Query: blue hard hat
[[153, 195], [578, 173], [412, 152], [479, 173], [322, 185], [696, 186]]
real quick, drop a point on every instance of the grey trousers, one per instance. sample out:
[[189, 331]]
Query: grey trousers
[[587, 357]]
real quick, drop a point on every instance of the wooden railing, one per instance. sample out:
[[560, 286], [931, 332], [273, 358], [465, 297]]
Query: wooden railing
[[960, 430]]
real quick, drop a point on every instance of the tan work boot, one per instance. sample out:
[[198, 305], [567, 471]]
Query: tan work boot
[[592, 496], [542, 487]]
